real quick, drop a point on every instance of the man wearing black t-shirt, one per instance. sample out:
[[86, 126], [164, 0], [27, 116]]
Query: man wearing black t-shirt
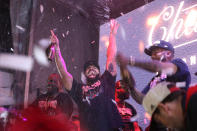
[[55, 101], [163, 63], [97, 111]]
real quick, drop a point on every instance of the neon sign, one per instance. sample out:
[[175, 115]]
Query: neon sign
[[184, 24]]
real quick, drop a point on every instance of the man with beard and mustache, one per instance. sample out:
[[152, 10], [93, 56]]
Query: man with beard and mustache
[[127, 111], [97, 112]]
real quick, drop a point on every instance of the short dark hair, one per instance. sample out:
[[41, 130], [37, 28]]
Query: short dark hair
[[89, 63]]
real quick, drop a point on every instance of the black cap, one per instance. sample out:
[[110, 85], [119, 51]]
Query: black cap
[[89, 63], [159, 44]]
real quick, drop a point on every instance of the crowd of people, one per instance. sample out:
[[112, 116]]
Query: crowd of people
[[168, 98]]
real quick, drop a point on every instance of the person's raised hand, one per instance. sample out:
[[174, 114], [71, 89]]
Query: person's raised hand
[[114, 26], [122, 60], [54, 39]]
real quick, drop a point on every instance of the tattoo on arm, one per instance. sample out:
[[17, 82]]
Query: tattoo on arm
[[152, 66]]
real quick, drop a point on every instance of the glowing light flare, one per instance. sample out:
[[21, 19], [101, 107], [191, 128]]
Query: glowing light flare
[[191, 18], [190, 22], [20, 28], [141, 47], [105, 40], [152, 20]]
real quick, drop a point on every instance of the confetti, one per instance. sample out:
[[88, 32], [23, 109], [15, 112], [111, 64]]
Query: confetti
[[63, 35], [121, 13], [40, 56], [53, 9], [93, 42], [17, 62], [67, 32], [20, 28], [41, 8]]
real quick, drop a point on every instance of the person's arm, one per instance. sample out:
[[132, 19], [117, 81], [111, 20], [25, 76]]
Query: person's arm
[[111, 50], [128, 78], [67, 78], [152, 66]]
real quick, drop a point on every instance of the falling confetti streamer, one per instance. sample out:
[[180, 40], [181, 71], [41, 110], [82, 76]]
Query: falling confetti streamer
[[53, 9], [93, 42], [40, 56], [16, 62], [63, 35], [20, 28], [41, 8], [121, 13], [67, 32]]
